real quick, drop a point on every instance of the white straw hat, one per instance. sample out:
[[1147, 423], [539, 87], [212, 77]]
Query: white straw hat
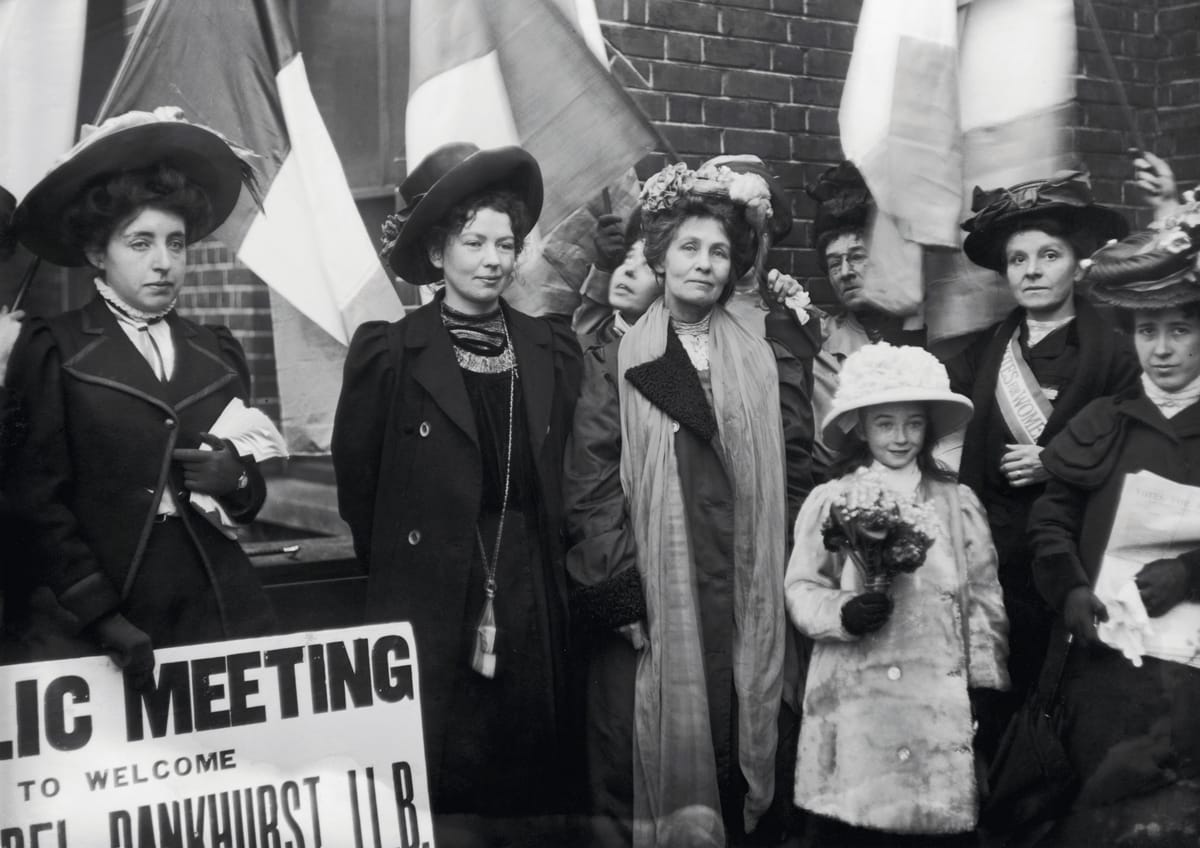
[[882, 373]]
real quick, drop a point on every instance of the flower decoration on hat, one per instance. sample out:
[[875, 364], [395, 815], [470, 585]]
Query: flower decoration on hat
[[878, 368], [675, 182]]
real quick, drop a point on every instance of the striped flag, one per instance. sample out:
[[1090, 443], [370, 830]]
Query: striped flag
[[936, 102], [41, 59], [233, 66], [527, 72]]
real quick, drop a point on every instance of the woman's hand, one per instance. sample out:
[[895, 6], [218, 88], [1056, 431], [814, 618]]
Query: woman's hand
[[1022, 465], [1162, 584], [866, 613], [210, 472], [1154, 176], [129, 647], [782, 286], [1081, 611], [635, 633], [10, 328], [609, 242]]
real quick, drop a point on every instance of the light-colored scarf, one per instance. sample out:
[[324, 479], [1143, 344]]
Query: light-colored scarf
[[676, 801], [1171, 404]]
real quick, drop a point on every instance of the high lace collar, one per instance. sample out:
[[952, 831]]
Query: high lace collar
[[134, 314], [1171, 404]]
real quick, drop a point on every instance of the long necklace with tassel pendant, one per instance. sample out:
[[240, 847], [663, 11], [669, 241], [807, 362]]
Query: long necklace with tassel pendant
[[483, 659]]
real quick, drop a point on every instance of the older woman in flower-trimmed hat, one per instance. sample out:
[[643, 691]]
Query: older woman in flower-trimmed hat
[[1131, 728], [1029, 374], [448, 446], [140, 451]]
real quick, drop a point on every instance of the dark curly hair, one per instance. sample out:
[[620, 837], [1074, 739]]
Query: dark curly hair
[[824, 239], [115, 198], [1080, 240], [498, 200], [659, 228]]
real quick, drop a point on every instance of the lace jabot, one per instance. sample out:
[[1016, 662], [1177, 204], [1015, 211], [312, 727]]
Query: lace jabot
[[694, 338]]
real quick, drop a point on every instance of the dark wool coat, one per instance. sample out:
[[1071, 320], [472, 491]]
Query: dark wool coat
[[410, 478], [1132, 733], [96, 458]]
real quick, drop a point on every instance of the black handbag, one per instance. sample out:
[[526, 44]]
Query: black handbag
[[1031, 778]]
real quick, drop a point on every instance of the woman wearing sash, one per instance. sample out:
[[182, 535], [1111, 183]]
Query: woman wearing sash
[[1132, 733], [1027, 376]]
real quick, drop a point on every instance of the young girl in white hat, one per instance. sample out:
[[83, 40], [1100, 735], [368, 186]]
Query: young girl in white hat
[[886, 743]]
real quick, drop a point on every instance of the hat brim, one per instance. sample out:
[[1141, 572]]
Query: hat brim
[[511, 168], [199, 154], [947, 410], [986, 247]]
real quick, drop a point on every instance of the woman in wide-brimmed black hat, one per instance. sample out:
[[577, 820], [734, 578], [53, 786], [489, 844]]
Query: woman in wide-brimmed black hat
[[132, 516], [1028, 375], [1131, 720], [448, 448]]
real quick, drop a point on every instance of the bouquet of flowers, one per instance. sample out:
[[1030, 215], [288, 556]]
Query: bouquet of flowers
[[883, 533]]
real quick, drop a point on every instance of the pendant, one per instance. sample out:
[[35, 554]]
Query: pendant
[[483, 658]]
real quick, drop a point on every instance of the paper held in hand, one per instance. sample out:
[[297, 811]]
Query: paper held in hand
[[1156, 519]]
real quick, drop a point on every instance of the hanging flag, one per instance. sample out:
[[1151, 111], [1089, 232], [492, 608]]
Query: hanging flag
[[234, 66], [41, 59], [927, 114], [527, 72]]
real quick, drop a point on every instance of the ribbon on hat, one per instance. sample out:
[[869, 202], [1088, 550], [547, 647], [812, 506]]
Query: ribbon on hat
[[1065, 188]]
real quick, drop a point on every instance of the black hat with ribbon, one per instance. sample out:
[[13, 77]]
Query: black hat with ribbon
[[843, 202], [448, 175], [1066, 197], [1153, 269]]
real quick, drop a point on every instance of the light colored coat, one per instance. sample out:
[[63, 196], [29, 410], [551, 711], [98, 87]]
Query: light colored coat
[[886, 735]]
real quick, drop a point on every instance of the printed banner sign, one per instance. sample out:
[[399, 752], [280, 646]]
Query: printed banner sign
[[299, 741]]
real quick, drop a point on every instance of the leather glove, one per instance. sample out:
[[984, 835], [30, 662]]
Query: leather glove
[[866, 613], [1162, 584], [129, 647], [1081, 611], [210, 472], [610, 242]]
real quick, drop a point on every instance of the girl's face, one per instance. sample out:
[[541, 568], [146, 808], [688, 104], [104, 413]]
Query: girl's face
[[477, 263], [145, 259], [696, 268], [1168, 346], [634, 286], [894, 432]]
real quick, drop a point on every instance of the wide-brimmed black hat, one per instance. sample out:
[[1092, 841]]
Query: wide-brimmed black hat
[[1066, 197], [1151, 269], [843, 202], [781, 205], [131, 142], [445, 177]]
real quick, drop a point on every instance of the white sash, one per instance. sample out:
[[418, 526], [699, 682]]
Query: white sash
[[1024, 405]]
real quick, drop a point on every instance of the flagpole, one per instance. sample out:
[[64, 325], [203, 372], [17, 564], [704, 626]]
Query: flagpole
[[1114, 77], [26, 280]]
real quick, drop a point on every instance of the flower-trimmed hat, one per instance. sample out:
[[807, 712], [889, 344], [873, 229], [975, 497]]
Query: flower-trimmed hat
[[882, 373], [781, 207], [1154, 269], [130, 142], [446, 176], [1065, 197]]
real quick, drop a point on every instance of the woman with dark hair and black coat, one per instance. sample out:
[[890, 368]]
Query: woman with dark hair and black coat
[[448, 446], [129, 491]]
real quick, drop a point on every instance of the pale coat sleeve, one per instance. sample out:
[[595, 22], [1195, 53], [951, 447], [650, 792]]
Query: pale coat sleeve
[[813, 580], [987, 620]]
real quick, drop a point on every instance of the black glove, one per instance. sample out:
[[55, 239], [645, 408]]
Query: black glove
[[129, 646], [215, 472], [1162, 584], [610, 242], [866, 613]]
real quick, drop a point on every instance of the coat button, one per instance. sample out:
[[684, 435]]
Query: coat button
[[893, 673], [414, 537], [903, 755], [424, 431], [169, 423]]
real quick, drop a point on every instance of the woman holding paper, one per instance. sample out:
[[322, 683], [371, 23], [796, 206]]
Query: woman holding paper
[[1132, 733], [129, 471]]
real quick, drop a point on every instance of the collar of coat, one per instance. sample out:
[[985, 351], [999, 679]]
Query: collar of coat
[[434, 366], [110, 359], [672, 384]]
